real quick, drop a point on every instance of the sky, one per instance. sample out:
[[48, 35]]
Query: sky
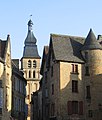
[[66, 17]]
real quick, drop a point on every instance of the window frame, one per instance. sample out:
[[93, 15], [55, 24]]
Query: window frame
[[74, 68], [74, 86], [34, 64], [75, 107], [29, 63]]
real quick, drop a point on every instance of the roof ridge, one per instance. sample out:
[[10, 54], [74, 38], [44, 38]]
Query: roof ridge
[[52, 34]]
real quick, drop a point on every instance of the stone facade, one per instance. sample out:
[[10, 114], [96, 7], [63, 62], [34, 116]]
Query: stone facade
[[18, 92], [72, 78], [5, 79]]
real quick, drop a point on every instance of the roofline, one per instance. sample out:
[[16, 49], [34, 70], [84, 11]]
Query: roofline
[[30, 58], [52, 34], [70, 61]]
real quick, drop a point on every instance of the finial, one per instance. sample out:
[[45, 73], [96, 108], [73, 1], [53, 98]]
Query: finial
[[30, 23], [8, 36]]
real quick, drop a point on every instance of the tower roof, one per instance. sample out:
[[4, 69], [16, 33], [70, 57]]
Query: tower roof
[[91, 42], [30, 39], [30, 48]]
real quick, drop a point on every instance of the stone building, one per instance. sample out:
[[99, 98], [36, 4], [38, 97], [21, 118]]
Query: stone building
[[36, 104], [5, 79], [43, 72], [30, 64], [72, 78], [18, 92]]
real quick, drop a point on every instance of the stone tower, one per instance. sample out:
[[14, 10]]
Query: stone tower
[[30, 64], [92, 53]]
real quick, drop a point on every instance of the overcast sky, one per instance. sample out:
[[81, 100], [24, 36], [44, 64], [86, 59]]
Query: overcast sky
[[68, 17]]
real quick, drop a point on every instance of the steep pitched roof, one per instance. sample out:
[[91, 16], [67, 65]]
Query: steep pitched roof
[[44, 58], [30, 49], [91, 42], [67, 48]]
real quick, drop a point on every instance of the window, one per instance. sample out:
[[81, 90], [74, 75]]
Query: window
[[34, 64], [74, 86], [74, 68], [87, 71], [75, 107], [34, 74], [29, 63], [29, 74], [51, 71], [88, 96], [90, 114], [52, 89]]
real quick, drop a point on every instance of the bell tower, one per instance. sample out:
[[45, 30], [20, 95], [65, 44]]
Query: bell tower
[[30, 65]]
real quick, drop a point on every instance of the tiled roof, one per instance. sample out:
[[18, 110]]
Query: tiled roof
[[67, 48]]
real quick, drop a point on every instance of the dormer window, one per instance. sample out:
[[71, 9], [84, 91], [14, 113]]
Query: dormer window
[[29, 63], [34, 64]]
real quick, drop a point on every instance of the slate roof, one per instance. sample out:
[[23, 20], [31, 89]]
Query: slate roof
[[30, 38], [30, 48], [31, 51], [44, 58], [90, 42], [67, 48]]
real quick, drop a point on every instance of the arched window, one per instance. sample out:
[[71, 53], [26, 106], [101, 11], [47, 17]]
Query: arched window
[[34, 74], [34, 64], [29, 63], [29, 74]]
